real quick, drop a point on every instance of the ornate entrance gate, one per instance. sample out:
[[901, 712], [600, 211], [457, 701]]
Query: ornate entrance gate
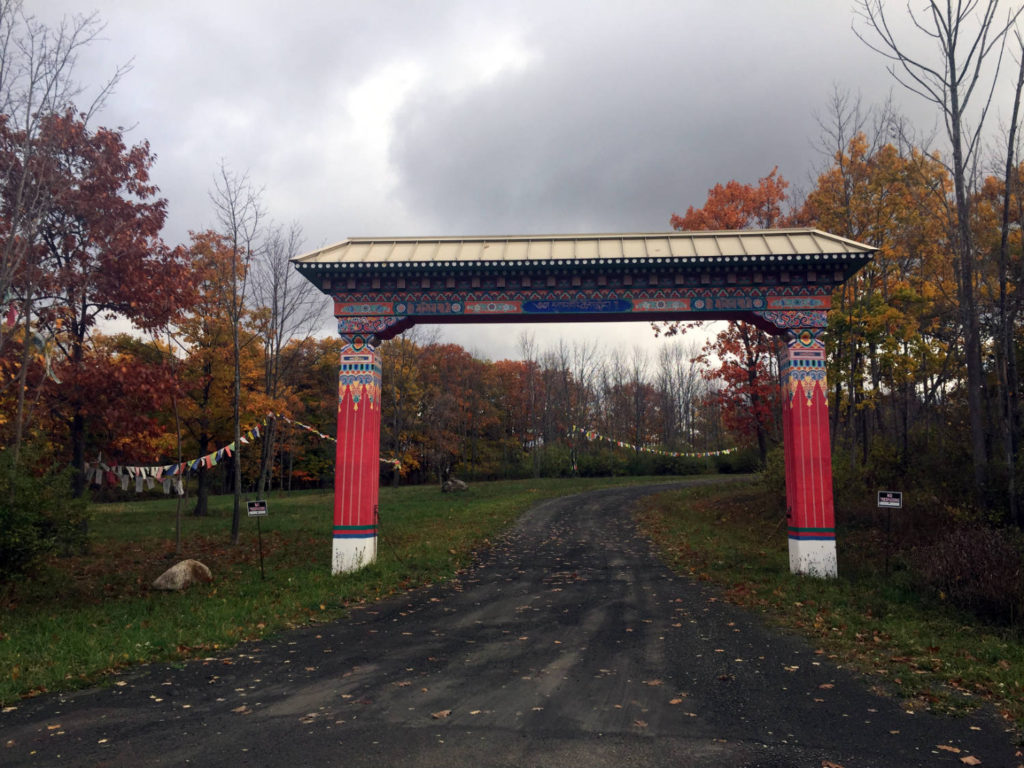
[[780, 280]]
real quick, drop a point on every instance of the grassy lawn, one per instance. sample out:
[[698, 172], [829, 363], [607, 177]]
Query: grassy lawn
[[84, 617], [910, 642]]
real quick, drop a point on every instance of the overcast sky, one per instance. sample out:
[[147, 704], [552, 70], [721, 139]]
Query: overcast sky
[[477, 117]]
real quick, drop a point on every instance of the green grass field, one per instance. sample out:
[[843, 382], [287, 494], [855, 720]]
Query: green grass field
[[909, 642], [87, 616]]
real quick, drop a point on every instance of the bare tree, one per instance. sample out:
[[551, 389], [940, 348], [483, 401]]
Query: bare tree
[[289, 308], [239, 213], [583, 364], [534, 395], [1008, 312], [967, 37], [679, 386]]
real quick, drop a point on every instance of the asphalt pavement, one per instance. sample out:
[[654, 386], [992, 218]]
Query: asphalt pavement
[[567, 644]]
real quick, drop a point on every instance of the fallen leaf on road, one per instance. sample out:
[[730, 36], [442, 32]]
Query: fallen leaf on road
[[949, 748], [652, 682], [53, 727], [676, 701], [830, 764], [475, 712], [640, 723], [827, 686], [242, 710], [969, 760], [442, 714]]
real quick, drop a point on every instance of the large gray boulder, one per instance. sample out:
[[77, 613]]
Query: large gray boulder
[[183, 575], [453, 484]]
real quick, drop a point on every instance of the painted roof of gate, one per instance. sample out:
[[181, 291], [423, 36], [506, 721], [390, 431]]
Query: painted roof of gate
[[733, 245]]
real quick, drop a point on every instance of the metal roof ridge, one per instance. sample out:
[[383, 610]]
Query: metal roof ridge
[[765, 236]]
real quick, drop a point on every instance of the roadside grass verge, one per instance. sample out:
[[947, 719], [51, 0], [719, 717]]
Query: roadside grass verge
[[910, 642], [82, 618]]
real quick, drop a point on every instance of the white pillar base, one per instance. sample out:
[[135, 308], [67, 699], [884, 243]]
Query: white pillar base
[[813, 557], [350, 553]]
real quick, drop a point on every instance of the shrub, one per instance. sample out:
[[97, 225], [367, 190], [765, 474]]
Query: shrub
[[744, 461], [773, 478], [37, 516], [601, 463], [978, 569]]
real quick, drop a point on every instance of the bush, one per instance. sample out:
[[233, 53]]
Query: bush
[[741, 462], [555, 460], [773, 478], [978, 569], [601, 462], [37, 516]]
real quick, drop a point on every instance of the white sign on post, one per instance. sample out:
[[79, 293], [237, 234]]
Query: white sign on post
[[256, 508], [890, 499]]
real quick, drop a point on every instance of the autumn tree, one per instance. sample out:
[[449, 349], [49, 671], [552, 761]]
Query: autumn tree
[[511, 399], [999, 215], [456, 412], [892, 327], [743, 361], [402, 393], [959, 79], [37, 83], [206, 373], [98, 253], [746, 377], [738, 206], [312, 382], [122, 387]]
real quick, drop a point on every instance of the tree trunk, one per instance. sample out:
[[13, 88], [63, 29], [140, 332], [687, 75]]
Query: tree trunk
[[202, 508]]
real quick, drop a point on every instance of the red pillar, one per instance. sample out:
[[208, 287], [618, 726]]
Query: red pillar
[[812, 536], [357, 470]]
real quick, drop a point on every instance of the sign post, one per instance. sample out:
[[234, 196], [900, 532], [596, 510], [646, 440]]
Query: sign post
[[258, 509], [889, 500]]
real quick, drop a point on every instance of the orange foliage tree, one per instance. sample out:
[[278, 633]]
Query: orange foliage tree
[[894, 327], [741, 360]]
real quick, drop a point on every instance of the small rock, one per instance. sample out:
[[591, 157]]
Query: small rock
[[453, 484], [183, 575]]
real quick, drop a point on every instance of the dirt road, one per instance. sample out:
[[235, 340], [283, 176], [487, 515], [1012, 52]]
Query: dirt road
[[569, 644]]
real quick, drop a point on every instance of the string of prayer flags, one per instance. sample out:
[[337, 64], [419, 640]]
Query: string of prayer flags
[[170, 475], [393, 462], [592, 435]]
